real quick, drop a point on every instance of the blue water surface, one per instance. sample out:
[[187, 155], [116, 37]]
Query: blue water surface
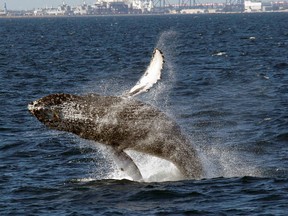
[[225, 82]]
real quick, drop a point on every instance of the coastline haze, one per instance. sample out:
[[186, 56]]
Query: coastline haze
[[34, 4]]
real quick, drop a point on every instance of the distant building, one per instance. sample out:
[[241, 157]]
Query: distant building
[[118, 7], [142, 5], [39, 12], [83, 9], [194, 11], [61, 10], [267, 6], [252, 6], [4, 12]]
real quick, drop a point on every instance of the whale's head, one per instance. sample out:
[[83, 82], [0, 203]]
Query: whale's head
[[50, 109]]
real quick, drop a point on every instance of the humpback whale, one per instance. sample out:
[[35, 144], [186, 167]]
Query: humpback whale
[[123, 123]]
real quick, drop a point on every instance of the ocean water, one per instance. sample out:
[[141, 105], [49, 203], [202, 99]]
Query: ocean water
[[225, 82]]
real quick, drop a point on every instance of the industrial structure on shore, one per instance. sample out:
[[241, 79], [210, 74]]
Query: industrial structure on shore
[[113, 7]]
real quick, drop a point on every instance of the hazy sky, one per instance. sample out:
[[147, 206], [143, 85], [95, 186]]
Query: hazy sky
[[30, 4]]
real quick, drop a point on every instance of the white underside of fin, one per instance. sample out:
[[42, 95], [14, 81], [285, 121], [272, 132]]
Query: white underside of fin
[[151, 75]]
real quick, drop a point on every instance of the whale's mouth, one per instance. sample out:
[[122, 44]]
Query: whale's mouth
[[34, 106], [31, 106]]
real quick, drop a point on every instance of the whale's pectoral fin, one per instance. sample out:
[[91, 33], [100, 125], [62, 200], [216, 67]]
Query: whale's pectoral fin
[[151, 75], [126, 164]]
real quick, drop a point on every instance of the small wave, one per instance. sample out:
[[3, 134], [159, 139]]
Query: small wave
[[220, 54], [282, 65]]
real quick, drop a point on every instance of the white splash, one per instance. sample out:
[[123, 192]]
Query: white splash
[[220, 162], [154, 169], [220, 54]]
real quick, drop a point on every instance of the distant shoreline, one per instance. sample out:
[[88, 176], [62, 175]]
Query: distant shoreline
[[122, 15]]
